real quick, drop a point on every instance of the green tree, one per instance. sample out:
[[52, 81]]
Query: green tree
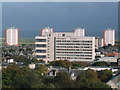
[[98, 85], [86, 77], [23, 59], [75, 65], [16, 77], [102, 63], [34, 60], [63, 80], [41, 70], [83, 64], [89, 79], [10, 73], [105, 75], [62, 63]]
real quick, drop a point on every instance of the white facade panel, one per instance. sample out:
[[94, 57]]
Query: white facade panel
[[109, 37], [11, 36], [79, 32], [65, 46]]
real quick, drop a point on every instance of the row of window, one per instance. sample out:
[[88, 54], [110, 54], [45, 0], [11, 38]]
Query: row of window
[[40, 40], [41, 45], [72, 41], [72, 44], [53, 35], [67, 38], [44, 45], [71, 58], [41, 56], [76, 52], [40, 51], [75, 49], [73, 55]]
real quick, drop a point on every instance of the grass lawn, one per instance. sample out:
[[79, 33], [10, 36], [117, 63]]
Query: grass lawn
[[21, 41]]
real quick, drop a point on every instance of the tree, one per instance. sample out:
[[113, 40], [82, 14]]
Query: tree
[[83, 64], [16, 77], [10, 73], [63, 80], [74, 65], [99, 85], [62, 63], [105, 75], [23, 59], [102, 63], [41, 70], [86, 77], [66, 64], [89, 79]]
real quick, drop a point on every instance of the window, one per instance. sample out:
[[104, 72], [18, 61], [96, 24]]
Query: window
[[40, 45], [41, 51], [41, 56], [63, 35], [40, 40]]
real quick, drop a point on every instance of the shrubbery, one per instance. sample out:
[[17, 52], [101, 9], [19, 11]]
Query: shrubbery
[[16, 77]]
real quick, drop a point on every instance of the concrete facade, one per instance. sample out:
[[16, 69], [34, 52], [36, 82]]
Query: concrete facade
[[98, 42], [11, 36], [109, 37], [72, 46]]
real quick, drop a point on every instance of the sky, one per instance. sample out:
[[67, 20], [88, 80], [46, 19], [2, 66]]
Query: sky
[[60, 0], [0, 20], [30, 17]]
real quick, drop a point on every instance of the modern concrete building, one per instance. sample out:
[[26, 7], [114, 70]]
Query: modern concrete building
[[108, 59], [46, 30], [11, 36], [98, 42], [109, 36], [72, 46], [79, 32]]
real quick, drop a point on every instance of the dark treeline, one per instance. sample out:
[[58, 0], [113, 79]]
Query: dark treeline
[[16, 77]]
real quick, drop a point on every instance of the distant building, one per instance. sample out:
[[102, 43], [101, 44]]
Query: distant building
[[108, 59], [109, 37], [98, 42], [99, 55], [74, 73], [99, 68], [112, 54], [9, 60], [46, 30], [79, 32], [73, 46], [11, 36]]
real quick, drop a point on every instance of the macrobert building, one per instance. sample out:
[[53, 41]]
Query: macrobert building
[[72, 46]]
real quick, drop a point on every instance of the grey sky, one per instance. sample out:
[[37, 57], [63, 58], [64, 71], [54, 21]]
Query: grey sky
[[30, 17], [60, 0], [1, 13]]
